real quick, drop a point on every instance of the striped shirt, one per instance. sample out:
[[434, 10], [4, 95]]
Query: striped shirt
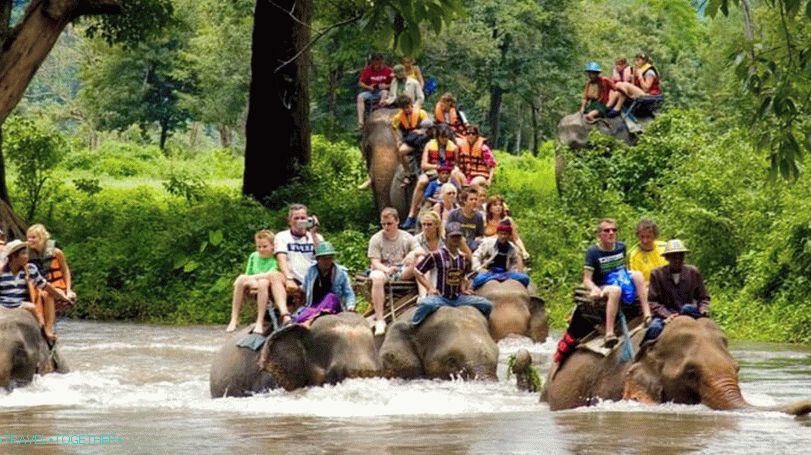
[[14, 289], [450, 271]]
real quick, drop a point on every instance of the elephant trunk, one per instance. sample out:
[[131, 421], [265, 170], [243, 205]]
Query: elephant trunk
[[723, 393], [6, 366]]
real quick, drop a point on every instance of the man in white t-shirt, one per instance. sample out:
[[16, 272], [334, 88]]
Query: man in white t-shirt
[[388, 249], [295, 247]]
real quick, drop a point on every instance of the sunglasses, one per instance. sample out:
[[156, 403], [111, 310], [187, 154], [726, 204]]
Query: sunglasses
[[610, 230], [427, 224]]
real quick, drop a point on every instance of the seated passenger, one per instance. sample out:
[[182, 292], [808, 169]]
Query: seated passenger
[[438, 152], [262, 275], [496, 214], [448, 197], [387, 252], [295, 251], [374, 79], [402, 85], [452, 287], [51, 262], [603, 276], [497, 258], [595, 94], [621, 71], [327, 287], [676, 288], [20, 282], [647, 254], [429, 241], [445, 111], [476, 161], [412, 70], [646, 82], [410, 126], [470, 220], [431, 193]]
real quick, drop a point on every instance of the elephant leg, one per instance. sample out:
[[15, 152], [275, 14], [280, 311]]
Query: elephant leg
[[398, 358]]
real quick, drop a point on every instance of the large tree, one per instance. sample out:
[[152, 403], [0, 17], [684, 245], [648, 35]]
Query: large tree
[[27, 42], [278, 126]]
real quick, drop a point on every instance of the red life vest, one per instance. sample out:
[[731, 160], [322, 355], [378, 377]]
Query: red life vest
[[471, 159], [654, 89], [451, 153]]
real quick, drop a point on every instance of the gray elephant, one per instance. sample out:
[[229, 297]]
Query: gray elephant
[[515, 311], [379, 148], [235, 371], [334, 348], [23, 350], [689, 364], [451, 342]]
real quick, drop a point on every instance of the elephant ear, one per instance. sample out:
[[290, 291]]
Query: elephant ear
[[641, 385], [398, 355], [285, 357], [538, 320]]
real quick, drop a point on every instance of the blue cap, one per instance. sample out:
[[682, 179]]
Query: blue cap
[[593, 67]]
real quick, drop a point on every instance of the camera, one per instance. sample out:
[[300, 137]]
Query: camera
[[306, 223]]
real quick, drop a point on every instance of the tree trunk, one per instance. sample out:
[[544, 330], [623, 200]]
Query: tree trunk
[[226, 137], [164, 134], [23, 50], [496, 96], [278, 128], [535, 145]]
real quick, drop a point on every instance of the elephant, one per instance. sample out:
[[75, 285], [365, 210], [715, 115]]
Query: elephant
[[688, 364], [515, 310], [379, 148], [334, 348], [451, 342], [573, 130], [235, 371], [24, 350]]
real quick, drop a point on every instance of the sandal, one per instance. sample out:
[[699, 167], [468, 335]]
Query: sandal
[[286, 320]]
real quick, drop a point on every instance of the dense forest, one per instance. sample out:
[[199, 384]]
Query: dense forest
[[129, 142]]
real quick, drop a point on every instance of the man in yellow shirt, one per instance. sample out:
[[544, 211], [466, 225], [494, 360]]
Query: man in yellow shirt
[[409, 124], [647, 254]]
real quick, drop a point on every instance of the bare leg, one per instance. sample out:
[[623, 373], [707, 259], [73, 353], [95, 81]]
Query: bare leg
[[378, 292], [416, 198], [49, 317], [279, 292], [361, 108], [262, 297], [613, 294], [236, 301], [641, 292], [404, 152]]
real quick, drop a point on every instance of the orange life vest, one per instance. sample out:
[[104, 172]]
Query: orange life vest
[[49, 266], [411, 123], [654, 89], [471, 159], [451, 153], [439, 115]]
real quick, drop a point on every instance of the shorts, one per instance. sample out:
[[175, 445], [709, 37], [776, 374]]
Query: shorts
[[594, 105]]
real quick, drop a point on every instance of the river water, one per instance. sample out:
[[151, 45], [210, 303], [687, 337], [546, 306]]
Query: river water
[[138, 388]]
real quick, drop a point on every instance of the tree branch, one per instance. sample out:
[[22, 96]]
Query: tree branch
[[91, 7], [314, 40], [290, 13]]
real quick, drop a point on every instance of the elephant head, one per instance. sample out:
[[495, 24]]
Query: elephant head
[[379, 148], [334, 348], [451, 342], [235, 371], [23, 350], [515, 310], [690, 364]]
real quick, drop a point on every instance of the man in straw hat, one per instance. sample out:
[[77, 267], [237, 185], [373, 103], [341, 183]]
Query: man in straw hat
[[677, 285], [676, 288]]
